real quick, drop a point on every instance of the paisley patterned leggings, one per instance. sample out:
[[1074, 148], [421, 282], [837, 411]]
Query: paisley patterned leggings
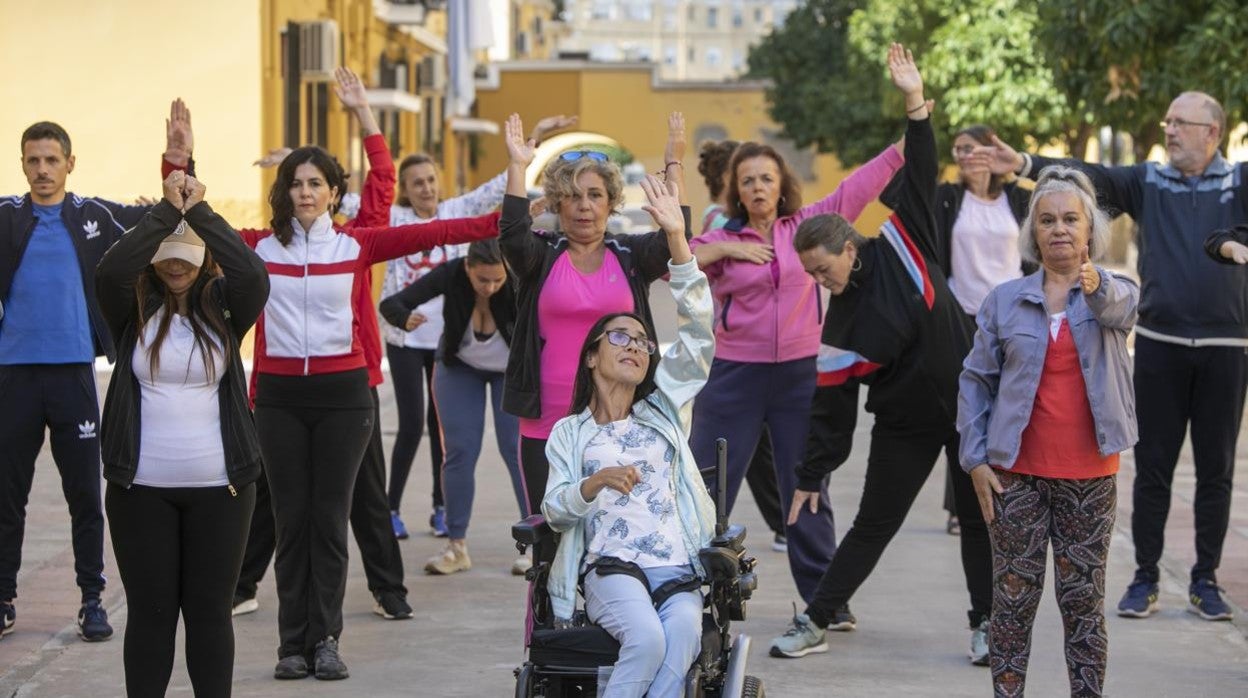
[[1078, 516]]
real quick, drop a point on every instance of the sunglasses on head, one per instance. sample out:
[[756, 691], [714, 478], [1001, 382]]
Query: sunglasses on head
[[620, 338], [574, 155]]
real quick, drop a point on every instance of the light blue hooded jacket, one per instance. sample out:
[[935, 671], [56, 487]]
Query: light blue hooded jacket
[[681, 373]]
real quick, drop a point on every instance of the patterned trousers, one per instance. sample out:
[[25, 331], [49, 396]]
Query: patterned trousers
[[1078, 516]]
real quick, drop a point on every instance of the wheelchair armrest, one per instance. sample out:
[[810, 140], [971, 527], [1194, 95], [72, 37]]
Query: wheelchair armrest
[[720, 563], [531, 530], [732, 539]]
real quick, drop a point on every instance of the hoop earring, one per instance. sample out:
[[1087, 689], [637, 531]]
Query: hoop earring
[[782, 201], [857, 265]]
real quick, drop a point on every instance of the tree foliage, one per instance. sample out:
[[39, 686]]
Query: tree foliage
[[1044, 70]]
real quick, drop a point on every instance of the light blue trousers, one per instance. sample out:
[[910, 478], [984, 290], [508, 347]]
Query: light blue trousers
[[656, 647]]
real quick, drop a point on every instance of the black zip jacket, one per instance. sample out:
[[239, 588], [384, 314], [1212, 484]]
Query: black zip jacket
[[949, 204], [240, 294], [93, 225], [451, 281], [903, 330], [531, 254]]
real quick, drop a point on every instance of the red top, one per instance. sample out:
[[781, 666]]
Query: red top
[[1060, 440]]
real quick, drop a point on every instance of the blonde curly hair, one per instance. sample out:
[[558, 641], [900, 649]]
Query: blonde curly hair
[[559, 181]]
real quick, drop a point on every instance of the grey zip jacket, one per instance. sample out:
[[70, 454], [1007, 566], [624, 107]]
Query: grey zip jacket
[[680, 375], [1000, 376]]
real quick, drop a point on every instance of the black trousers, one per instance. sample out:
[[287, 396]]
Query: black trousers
[[1175, 385], [897, 466], [761, 478], [406, 368], [535, 470], [178, 551], [312, 456], [370, 522], [60, 398]]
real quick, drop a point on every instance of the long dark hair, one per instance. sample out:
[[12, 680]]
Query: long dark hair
[[279, 195], [203, 312], [790, 191], [583, 385], [713, 162], [982, 135]]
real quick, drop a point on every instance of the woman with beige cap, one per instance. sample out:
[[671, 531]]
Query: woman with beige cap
[[178, 443]]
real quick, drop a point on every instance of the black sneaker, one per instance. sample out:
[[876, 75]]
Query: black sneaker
[[8, 618], [391, 605], [93, 622], [292, 667], [1206, 601], [329, 666], [843, 620]]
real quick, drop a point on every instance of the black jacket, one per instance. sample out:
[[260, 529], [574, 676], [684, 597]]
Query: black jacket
[[949, 204], [450, 280], [898, 321], [93, 225], [241, 294], [531, 254]]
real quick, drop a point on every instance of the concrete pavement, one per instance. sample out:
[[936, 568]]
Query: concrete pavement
[[466, 636]]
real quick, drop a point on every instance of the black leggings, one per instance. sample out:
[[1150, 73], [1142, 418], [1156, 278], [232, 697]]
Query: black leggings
[[534, 471], [411, 370], [311, 456], [179, 550]]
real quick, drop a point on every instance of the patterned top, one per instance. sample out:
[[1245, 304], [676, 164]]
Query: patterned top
[[643, 526]]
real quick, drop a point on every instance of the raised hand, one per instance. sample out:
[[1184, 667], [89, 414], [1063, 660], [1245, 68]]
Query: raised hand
[[173, 186], [674, 151], [193, 191], [904, 72], [349, 89], [1089, 277], [274, 158], [663, 205], [551, 124], [179, 136], [145, 201], [519, 150], [1002, 159]]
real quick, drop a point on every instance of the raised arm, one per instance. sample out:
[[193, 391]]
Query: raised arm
[[674, 154], [350, 91], [380, 244], [521, 248], [247, 280], [1118, 189]]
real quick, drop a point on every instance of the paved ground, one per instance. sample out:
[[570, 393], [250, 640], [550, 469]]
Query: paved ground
[[466, 636]]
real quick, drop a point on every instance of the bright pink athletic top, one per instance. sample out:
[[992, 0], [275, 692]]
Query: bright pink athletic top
[[569, 304]]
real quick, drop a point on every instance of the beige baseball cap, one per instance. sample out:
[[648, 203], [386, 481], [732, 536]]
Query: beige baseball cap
[[181, 244]]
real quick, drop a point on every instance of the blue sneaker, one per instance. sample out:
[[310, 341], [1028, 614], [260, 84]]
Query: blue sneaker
[[1206, 601], [1140, 601], [400, 531], [93, 622], [8, 617], [437, 522]]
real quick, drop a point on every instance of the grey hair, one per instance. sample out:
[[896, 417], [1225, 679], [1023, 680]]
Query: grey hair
[[1058, 179], [828, 230], [1216, 113], [559, 181]]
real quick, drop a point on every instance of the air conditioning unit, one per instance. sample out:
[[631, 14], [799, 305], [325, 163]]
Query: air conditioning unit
[[433, 73], [318, 50]]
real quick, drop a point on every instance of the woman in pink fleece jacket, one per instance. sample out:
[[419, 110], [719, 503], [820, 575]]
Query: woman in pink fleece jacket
[[770, 314]]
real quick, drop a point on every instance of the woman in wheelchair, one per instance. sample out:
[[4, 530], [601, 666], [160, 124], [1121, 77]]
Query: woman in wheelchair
[[624, 490]]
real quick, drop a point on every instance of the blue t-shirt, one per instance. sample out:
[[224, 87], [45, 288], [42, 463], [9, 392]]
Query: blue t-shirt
[[45, 316]]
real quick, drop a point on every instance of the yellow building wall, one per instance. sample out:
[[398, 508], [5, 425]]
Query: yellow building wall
[[625, 105], [107, 71]]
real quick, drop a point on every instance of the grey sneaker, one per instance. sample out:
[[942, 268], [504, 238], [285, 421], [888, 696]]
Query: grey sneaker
[[292, 667], [979, 644], [800, 640], [329, 666]]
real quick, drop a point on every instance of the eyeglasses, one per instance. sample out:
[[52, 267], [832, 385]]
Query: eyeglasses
[[574, 155], [1180, 123], [620, 338]]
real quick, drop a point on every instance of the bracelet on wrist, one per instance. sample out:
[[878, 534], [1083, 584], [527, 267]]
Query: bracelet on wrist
[[673, 162], [921, 106]]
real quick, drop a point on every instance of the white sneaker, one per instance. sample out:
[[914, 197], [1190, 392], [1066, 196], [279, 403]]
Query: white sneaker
[[454, 558], [979, 644], [521, 565], [245, 606]]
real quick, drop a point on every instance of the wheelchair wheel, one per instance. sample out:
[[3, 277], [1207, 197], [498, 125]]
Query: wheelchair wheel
[[524, 682], [753, 688]]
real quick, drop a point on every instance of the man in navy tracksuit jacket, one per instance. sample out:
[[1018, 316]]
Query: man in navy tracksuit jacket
[[1191, 348], [51, 330]]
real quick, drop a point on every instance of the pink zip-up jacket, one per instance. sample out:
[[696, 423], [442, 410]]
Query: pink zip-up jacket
[[760, 320]]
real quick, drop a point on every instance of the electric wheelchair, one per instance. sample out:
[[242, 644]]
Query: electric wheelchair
[[565, 662]]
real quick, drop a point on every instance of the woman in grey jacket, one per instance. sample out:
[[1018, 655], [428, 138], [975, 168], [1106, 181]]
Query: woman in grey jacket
[[624, 489], [1045, 405]]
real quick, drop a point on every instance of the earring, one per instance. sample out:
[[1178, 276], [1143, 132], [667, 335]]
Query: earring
[[857, 265]]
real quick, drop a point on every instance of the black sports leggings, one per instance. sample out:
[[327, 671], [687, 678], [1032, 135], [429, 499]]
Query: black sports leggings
[[179, 551]]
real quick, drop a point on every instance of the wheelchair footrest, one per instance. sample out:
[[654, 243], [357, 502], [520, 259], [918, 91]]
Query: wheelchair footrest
[[588, 646]]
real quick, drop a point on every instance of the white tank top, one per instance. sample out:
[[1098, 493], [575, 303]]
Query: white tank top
[[180, 428]]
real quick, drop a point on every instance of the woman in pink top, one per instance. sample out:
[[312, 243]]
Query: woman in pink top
[[567, 280], [767, 334]]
